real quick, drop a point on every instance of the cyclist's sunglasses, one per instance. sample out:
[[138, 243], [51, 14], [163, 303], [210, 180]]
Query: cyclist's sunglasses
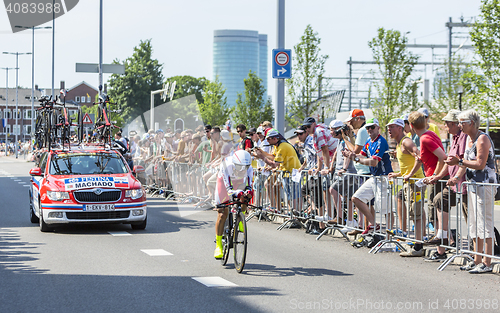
[[370, 127], [240, 167]]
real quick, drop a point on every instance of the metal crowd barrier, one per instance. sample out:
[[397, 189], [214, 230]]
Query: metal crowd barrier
[[400, 208]]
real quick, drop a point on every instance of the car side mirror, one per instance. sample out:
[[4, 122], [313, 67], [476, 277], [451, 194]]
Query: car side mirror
[[36, 171], [139, 169]]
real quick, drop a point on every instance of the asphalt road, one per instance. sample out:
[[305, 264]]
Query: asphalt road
[[169, 267]]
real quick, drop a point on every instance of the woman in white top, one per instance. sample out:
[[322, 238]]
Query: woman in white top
[[479, 166]]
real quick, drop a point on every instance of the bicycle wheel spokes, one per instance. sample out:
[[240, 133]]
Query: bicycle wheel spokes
[[226, 241], [240, 242]]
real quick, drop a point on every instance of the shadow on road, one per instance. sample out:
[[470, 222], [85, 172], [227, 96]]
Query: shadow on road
[[14, 253], [273, 271]]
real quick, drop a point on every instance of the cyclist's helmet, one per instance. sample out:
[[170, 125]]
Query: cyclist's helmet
[[241, 160]]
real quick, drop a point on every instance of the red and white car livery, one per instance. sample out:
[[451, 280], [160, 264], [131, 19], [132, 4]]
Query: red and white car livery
[[86, 185]]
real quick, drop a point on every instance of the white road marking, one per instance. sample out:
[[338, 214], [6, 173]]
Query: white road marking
[[26, 185], [214, 281], [119, 233], [156, 252]]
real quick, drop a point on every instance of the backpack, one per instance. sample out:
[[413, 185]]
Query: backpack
[[243, 143]]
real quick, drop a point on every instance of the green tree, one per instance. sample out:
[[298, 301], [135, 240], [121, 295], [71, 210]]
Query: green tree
[[251, 109], [132, 90], [395, 64], [308, 69], [188, 85], [446, 88], [485, 35], [214, 109]]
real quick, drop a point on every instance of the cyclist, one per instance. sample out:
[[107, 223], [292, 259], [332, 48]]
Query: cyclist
[[234, 182]]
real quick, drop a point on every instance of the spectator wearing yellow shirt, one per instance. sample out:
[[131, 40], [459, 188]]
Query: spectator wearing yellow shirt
[[284, 158]]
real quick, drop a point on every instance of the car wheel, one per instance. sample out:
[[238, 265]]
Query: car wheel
[[33, 217], [43, 226], [141, 225]]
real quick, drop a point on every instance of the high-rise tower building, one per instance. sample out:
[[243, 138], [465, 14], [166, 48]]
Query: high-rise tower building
[[236, 52]]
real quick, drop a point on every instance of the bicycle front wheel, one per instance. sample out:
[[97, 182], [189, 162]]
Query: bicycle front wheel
[[240, 242]]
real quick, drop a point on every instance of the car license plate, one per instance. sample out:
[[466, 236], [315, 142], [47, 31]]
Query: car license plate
[[99, 207]]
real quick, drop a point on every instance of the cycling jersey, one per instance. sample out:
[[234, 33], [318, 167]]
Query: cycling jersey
[[228, 181]]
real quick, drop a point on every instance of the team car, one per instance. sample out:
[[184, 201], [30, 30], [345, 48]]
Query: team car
[[86, 185]]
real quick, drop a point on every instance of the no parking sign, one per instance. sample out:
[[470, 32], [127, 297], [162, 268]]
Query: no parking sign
[[282, 63]]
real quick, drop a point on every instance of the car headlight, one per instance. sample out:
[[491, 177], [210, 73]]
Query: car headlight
[[133, 193], [57, 195]]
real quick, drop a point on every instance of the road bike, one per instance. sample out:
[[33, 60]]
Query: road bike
[[64, 123], [44, 124], [104, 126], [235, 234]]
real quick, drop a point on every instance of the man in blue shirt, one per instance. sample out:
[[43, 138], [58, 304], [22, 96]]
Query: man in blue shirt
[[374, 154]]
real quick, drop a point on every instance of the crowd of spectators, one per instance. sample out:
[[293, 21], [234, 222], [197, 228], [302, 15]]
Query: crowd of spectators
[[348, 167]]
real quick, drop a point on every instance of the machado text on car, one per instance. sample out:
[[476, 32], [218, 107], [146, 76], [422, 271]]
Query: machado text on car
[[86, 185]]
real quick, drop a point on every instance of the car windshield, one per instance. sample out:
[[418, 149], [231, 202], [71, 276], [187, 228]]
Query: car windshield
[[85, 163]]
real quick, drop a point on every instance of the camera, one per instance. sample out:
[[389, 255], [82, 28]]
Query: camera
[[343, 129]]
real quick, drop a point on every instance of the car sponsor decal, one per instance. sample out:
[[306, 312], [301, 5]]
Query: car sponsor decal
[[121, 182], [88, 182]]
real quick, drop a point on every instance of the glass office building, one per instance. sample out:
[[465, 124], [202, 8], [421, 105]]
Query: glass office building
[[236, 52]]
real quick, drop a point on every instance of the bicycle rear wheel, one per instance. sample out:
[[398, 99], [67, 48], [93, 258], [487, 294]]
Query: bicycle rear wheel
[[240, 242], [80, 125], [226, 240]]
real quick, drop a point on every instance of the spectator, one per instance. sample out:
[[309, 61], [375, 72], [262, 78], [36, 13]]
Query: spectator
[[206, 135], [205, 150], [227, 144], [432, 156], [447, 197], [357, 122], [429, 126], [119, 137], [374, 155], [285, 159], [252, 133], [410, 133], [479, 166], [410, 167], [245, 142], [344, 184], [177, 139], [325, 146], [312, 189]]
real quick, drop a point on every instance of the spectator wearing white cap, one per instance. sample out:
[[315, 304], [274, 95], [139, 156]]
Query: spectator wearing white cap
[[284, 158], [343, 186], [430, 126], [374, 155]]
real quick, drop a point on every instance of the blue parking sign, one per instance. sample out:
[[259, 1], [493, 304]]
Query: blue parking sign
[[282, 63]]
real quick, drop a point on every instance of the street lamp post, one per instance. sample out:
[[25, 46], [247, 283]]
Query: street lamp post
[[17, 93], [32, 74], [7, 102], [460, 92]]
